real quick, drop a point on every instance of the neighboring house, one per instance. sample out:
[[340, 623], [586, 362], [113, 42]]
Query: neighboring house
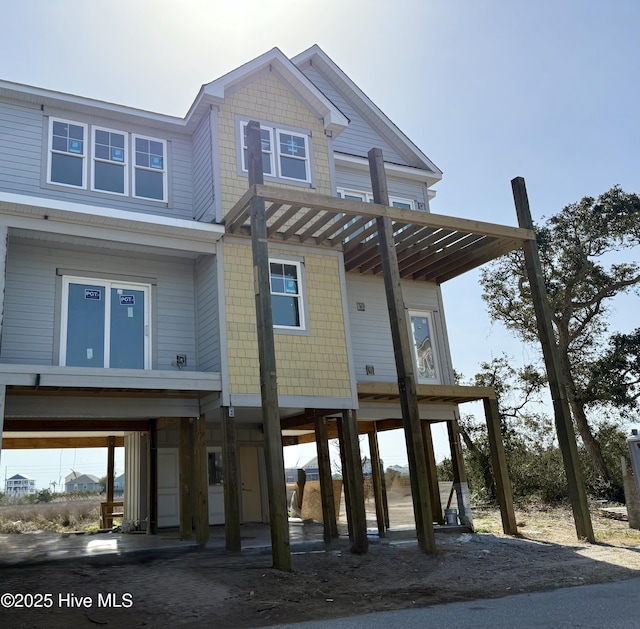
[[83, 482], [19, 485], [118, 485], [126, 274]]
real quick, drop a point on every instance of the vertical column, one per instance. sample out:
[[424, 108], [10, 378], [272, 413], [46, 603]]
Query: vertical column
[[278, 512], [355, 494], [346, 483], [499, 464], [434, 490], [564, 424], [231, 485], [404, 362], [185, 452], [459, 473], [330, 526], [3, 268], [374, 452], [152, 478], [111, 449], [201, 481]]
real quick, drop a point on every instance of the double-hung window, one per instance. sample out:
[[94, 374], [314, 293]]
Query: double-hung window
[[149, 172], [109, 161], [72, 145], [287, 306], [67, 154], [285, 153], [105, 324]]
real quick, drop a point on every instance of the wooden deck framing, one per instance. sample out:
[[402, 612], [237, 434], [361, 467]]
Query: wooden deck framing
[[430, 247]]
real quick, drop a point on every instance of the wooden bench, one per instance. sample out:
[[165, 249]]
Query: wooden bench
[[110, 510]]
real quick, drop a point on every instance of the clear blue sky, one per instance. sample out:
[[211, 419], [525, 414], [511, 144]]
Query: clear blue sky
[[489, 90]]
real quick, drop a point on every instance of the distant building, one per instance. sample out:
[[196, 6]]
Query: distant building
[[19, 485], [83, 482], [118, 485]]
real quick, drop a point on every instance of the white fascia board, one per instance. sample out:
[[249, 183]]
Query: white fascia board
[[405, 172], [333, 119], [368, 108], [24, 211]]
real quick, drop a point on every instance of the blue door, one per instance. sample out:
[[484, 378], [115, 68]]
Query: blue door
[[127, 329], [85, 326]]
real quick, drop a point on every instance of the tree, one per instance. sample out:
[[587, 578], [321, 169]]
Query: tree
[[576, 247]]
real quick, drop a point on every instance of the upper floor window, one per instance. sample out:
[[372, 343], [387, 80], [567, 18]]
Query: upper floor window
[[285, 153], [109, 161], [367, 197], [110, 170], [150, 175], [423, 346], [286, 294], [67, 157]]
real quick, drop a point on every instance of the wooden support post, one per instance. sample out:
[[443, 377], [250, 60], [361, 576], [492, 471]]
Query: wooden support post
[[385, 501], [276, 487], [3, 391], [201, 481], [185, 451], [111, 453], [231, 485], [459, 474], [404, 363], [329, 524], [564, 425], [434, 489], [353, 463], [374, 452], [152, 478], [346, 483], [499, 465]]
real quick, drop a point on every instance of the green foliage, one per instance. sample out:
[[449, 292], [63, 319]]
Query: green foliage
[[44, 495], [580, 251]]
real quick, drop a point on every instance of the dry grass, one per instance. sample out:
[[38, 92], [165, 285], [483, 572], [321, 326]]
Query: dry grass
[[57, 516], [555, 524]]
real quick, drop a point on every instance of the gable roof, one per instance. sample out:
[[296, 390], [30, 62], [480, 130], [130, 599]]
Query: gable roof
[[20, 477], [84, 478], [367, 108], [272, 61]]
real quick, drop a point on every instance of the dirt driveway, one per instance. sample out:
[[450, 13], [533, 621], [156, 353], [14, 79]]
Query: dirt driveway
[[208, 589]]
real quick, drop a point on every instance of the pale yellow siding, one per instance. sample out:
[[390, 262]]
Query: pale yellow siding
[[314, 365], [267, 98]]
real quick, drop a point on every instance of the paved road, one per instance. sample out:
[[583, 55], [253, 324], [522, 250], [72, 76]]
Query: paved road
[[605, 606]]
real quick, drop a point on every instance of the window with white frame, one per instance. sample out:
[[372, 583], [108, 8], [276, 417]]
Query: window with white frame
[[149, 172], [105, 324], [67, 154], [367, 197], [110, 171], [109, 161], [286, 294], [423, 346], [285, 153]]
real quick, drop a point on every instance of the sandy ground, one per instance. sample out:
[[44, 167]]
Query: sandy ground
[[207, 589]]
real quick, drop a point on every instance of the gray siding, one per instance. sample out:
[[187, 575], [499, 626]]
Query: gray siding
[[371, 330], [360, 136], [202, 170], [23, 163], [207, 328], [31, 322], [352, 180]]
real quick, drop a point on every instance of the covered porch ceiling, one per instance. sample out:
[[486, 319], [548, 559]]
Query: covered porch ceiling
[[429, 247]]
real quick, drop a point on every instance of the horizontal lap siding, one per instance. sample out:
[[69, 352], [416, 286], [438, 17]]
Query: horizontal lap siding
[[23, 163], [351, 180], [202, 170], [30, 318], [20, 148], [371, 330], [207, 328], [359, 137]]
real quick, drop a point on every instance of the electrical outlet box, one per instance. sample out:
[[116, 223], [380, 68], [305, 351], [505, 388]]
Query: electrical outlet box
[[181, 360]]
